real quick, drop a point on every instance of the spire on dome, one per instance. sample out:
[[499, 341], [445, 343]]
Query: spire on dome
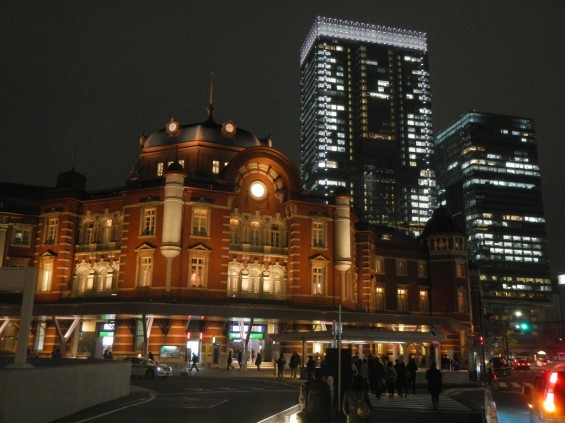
[[211, 99]]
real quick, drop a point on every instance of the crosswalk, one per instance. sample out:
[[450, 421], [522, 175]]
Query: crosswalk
[[417, 402], [509, 385]]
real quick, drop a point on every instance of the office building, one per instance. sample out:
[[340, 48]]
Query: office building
[[488, 176], [366, 120]]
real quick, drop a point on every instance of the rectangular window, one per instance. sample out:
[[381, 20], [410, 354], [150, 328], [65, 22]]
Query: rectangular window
[[380, 265], [422, 269], [255, 233], [459, 270], [318, 234], [149, 220], [145, 271], [46, 267], [380, 298], [215, 166], [275, 236], [424, 302], [402, 299], [22, 237], [318, 280], [200, 222], [197, 265], [401, 269], [235, 232], [52, 229], [160, 168]]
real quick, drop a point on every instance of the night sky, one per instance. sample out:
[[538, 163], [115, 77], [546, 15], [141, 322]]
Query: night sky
[[80, 80]]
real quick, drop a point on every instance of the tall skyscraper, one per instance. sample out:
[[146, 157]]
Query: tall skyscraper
[[366, 120], [488, 176]]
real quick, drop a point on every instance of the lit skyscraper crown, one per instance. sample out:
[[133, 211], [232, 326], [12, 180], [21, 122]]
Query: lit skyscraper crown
[[349, 30]]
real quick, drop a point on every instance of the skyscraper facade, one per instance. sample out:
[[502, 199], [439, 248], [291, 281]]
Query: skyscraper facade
[[366, 120], [488, 176]]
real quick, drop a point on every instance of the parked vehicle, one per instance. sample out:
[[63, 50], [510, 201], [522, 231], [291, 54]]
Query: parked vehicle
[[521, 364], [546, 397], [149, 369]]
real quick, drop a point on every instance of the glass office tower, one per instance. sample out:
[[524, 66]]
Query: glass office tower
[[366, 120], [489, 178]]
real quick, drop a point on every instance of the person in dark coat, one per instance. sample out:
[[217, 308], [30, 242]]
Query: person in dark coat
[[377, 377], [401, 379], [435, 383], [258, 361], [411, 369], [390, 379], [230, 359], [315, 400]]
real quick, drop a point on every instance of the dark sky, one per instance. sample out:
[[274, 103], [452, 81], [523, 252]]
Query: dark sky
[[90, 76]]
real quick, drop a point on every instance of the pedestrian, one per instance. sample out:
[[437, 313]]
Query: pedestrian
[[281, 362], [258, 361], [239, 357], [150, 356], [315, 400], [194, 362], [58, 354], [401, 379], [390, 379], [411, 369], [230, 359], [364, 372], [310, 367], [294, 363], [377, 377], [435, 383], [356, 404]]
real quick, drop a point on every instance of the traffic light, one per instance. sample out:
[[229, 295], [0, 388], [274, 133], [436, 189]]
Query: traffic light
[[524, 326], [481, 339]]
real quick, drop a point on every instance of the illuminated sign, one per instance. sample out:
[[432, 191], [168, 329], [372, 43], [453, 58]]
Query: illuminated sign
[[237, 335]]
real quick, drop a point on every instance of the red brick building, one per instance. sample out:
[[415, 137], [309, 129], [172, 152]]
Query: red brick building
[[211, 242]]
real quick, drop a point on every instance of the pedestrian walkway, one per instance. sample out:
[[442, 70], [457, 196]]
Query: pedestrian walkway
[[416, 402]]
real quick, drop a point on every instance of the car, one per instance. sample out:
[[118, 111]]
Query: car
[[521, 364], [546, 397], [500, 366], [149, 369]]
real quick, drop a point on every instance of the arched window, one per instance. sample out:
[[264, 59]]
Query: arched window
[[235, 231], [233, 280], [105, 279], [85, 279], [255, 276]]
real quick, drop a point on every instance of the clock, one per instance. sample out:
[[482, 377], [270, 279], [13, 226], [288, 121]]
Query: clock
[[228, 128], [172, 127], [257, 190]]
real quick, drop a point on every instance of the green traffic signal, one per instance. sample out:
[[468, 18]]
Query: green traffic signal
[[524, 326]]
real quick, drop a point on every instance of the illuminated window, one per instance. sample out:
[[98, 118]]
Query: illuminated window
[[106, 279], [401, 268], [380, 265], [215, 166], [149, 217], [318, 275], [196, 271], [422, 269], [21, 236], [107, 231], [255, 233], [402, 299], [46, 266], [379, 298], [200, 221], [460, 270], [235, 231], [144, 268], [318, 234], [424, 302], [276, 236], [233, 280], [52, 229], [85, 279], [90, 232], [461, 300], [160, 168]]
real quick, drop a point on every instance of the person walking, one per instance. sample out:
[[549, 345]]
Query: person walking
[[411, 369], [435, 383], [239, 357], [377, 377], [281, 362], [315, 400], [310, 367], [294, 364], [258, 361], [390, 379], [401, 379], [150, 356], [230, 359], [356, 404], [194, 362]]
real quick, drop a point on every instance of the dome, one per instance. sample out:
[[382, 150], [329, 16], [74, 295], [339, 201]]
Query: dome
[[209, 131]]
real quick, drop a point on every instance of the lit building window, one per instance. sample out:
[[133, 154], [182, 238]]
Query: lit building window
[[235, 231], [197, 265], [380, 298], [318, 234], [52, 229], [401, 268], [422, 269], [276, 236], [149, 217], [380, 265], [255, 233], [318, 275], [200, 221], [90, 232], [46, 266], [144, 267], [424, 302], [107, 231], [106, 279], [233, 280], [21, 236], [460, 270], [85, 278], [402, 299], [215, 166]]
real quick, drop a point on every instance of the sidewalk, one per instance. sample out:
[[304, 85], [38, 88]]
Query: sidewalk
[[267, 371]]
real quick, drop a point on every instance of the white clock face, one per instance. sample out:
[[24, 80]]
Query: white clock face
[[172, 127], [229, 128], [258, 190]]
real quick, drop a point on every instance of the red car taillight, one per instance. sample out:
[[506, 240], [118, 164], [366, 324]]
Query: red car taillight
[[549, 403]]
